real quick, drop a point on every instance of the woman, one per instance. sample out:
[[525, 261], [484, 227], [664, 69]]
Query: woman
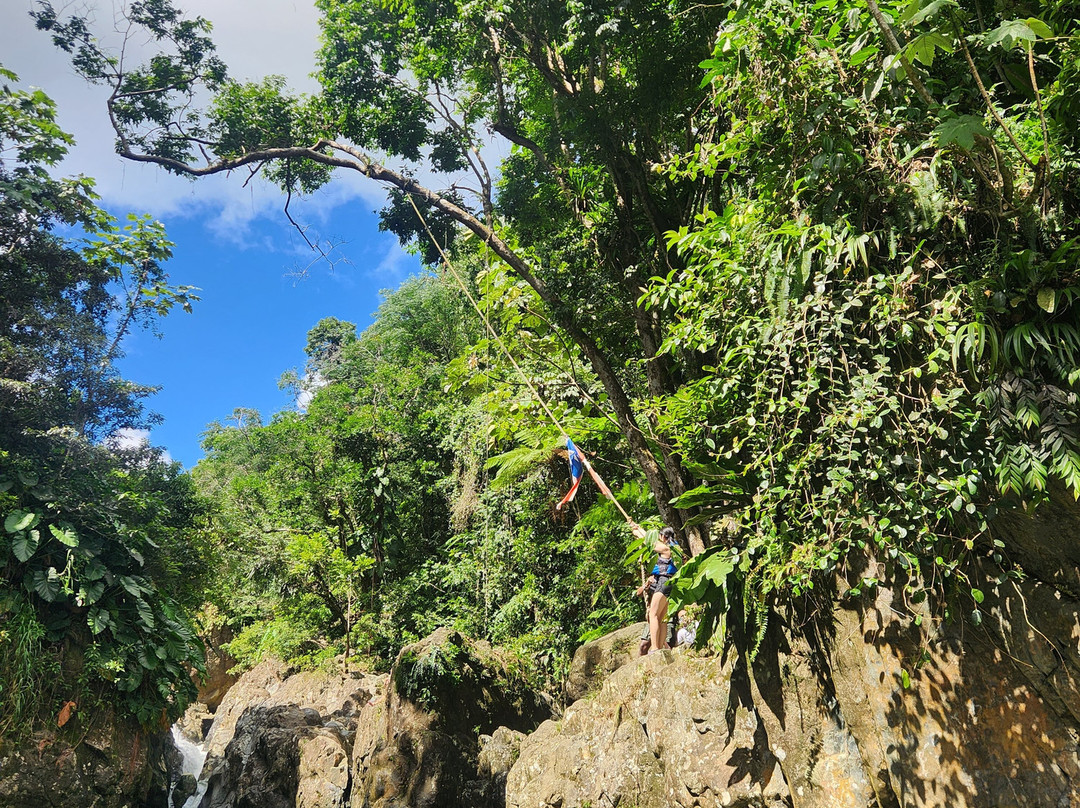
[[659, 584]]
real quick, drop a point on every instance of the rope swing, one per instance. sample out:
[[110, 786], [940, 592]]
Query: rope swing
[[572, 450]]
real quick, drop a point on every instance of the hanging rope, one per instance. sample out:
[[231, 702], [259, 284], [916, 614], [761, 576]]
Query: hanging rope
[[536, 393]]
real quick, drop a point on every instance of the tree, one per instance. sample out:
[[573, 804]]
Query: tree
[[96, 571], [593, 97]]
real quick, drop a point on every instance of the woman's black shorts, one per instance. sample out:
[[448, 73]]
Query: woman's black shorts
[[662, 584]]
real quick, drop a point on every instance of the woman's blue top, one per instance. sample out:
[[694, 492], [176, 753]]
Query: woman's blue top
[[665, 566]]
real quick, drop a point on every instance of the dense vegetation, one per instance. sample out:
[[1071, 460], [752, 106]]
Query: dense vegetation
[[808, 272], [98, 575]]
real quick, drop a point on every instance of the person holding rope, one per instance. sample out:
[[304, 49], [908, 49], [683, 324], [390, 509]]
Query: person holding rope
[[659, 584]]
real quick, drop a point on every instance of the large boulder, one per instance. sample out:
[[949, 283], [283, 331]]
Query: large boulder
[[862, 707], [594, 661], [657, 733], [282, 739], [422, 748]]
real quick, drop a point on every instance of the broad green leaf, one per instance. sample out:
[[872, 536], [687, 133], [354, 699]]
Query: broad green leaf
[[961, 130], [1040, 28], [863, 55], [64, 535], [146, 614], [18, 520], [916, 12], [94, 570], [98, 619], [25, 544], [1047, 300], [131, 585], [90, 592], [923, 47], [1010, 33], [46, 583]]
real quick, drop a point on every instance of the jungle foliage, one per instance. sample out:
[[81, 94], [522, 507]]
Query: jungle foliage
[[98, 575], [807, 271]]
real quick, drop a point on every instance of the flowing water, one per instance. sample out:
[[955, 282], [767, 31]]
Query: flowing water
[[194, 755]]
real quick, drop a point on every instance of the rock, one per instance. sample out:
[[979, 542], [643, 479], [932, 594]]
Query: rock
[[324, 772], [216, 682], [195, 723], [498, 753], [184, 788], [595, 660], [420, 747], [281, 738], [862, 708], [116, 765], [660, 732]]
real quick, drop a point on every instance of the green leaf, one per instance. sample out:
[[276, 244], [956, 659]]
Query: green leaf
[[1040, 28], [977, 594], [1047, 300], [914, 15], [146, 614], [65, 536], [131, 585], [905, 679], [98, 619], [863, 55], [925, 46], [1010, 33], [90, 592], [18, 520], [94, 570], [46, 583], [25, 544], [961, 130]]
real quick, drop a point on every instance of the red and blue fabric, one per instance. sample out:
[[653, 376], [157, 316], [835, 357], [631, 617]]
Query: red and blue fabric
[[577, 470]]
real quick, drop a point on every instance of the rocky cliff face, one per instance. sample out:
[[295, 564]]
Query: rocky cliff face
[[96, 762], [870, 710]]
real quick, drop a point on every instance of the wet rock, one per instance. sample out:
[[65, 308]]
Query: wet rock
[[282, 738], [184, 788]]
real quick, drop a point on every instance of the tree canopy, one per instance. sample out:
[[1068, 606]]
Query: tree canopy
[[808, 271]]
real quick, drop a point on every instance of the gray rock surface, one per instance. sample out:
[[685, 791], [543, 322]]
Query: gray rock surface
[[282, 739], [595, 660]]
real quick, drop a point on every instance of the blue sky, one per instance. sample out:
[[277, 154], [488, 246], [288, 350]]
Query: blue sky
[[253, 317], [232, 241]]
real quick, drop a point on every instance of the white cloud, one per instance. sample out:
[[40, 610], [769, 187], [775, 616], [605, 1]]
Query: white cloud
[[127, 439], [255, 39]]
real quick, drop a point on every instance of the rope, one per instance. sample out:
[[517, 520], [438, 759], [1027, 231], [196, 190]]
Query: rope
[[461, 284]]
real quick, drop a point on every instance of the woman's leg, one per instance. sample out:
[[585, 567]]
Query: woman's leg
[[658, 620]]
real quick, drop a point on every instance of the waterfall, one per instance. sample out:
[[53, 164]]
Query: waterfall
[[194, 756]]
